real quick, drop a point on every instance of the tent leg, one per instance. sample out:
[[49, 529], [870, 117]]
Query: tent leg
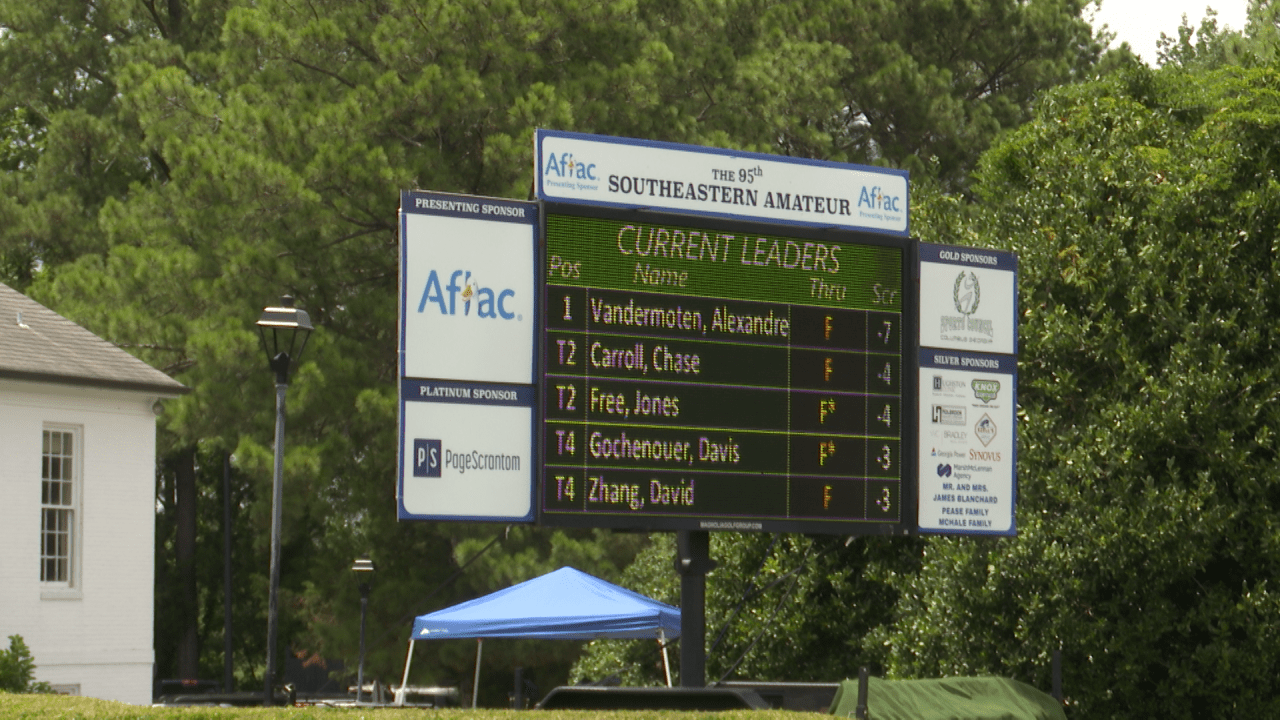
[[475, 688], [666, 662], [408, 658]]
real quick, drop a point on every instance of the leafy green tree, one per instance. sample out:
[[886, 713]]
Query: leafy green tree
[[779, 607], [1205, 46], [1262, 31], [931, 83], [204, 614], [1145, 212], [176, 166], [1208, 46]]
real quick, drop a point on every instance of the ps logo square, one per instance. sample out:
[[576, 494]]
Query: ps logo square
[[426, 458]]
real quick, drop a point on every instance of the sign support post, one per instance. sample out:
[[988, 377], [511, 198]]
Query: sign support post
[[693, 562]]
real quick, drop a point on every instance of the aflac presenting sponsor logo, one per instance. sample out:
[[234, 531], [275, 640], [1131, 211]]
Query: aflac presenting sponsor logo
[[566, 171], [876, 204], [875, 199], [488, 303]]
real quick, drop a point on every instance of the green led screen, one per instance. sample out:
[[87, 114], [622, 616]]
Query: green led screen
[[707, 376]]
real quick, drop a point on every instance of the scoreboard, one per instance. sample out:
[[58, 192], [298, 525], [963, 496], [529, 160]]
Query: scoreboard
[[702, 374], [676, 337]]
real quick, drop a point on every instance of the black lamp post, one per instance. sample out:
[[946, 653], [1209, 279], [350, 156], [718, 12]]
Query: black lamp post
[[363, 568], [282, 329]]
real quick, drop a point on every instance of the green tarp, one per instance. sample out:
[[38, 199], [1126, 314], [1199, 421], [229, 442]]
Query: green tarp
[[984, 698]]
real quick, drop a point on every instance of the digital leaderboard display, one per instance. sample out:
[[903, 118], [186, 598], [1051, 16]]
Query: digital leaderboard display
[[705, 375]]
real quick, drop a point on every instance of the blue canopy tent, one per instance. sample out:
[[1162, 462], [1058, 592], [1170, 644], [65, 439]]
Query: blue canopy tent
[[566, 604]]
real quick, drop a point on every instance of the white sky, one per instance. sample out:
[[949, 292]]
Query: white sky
[[1140, 22]]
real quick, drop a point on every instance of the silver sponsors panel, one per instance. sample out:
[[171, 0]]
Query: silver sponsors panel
[[468, 323], [967, 464]]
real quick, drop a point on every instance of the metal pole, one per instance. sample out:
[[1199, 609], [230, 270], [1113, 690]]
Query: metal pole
[[228, 676], [517, 695], [864, 682], [404, 681], [475, 689], [693, 562], [364, 604], [666, 661], [693, 638], [277, 500]]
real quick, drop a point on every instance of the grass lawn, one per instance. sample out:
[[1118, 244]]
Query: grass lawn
[[62, 707]]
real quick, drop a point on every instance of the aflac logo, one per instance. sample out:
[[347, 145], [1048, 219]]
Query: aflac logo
[[488, 305], [875, 199], [566, 167]]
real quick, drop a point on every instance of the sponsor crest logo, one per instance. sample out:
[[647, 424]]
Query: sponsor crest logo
[[967, 292], [985, 429]]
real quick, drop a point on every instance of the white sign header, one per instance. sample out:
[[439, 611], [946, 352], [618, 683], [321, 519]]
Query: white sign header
[[627, 173]]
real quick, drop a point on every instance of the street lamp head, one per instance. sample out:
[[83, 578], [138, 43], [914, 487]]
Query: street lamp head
[[364, 569], [283, 328]]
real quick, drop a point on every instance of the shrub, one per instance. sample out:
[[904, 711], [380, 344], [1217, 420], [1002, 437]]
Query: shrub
[[18, 669]]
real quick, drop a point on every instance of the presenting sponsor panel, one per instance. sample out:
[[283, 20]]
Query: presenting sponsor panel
[[466, 462], [468, 281], [714, 182], [968, 299], [967, 464], [468, 327]]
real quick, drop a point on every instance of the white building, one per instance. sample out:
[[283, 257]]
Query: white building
[[77, 502]]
